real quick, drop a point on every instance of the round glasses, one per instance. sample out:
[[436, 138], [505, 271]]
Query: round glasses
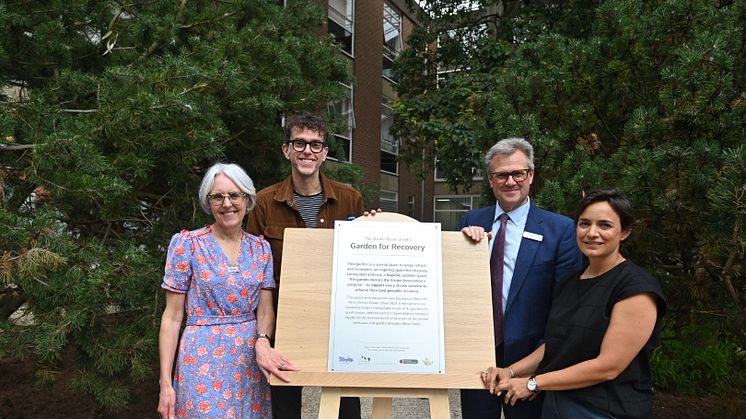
[[517, 175], [300, 145], [219, 198]]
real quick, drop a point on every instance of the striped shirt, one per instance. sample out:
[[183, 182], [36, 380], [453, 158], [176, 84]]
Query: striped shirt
[[309, 207]]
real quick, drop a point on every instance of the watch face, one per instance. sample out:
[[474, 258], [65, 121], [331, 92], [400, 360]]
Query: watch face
[[531, 384]]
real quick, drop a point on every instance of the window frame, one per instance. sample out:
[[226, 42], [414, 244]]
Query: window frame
[[474, 201], [350, 123], [389, 53], [395, 200], [334, 15], [393, 141]]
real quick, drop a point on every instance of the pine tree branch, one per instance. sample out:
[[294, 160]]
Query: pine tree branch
[[52, 183], [17, 147], [224, 16], [115, 19], [156, 308], [158, 42], [736, 247]]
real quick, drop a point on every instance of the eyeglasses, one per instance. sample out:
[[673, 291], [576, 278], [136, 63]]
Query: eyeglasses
[[300, 145], [219, 198], [517, 175]]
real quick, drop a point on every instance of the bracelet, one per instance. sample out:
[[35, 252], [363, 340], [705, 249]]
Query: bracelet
[[263, 335], [512, 374]]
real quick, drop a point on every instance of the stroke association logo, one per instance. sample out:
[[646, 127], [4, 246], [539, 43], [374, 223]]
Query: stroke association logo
[[345, 359]]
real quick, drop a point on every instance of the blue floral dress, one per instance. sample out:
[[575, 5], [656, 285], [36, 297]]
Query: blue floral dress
[[216, 373]]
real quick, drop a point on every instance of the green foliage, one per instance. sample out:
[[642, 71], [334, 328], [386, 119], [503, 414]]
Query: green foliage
[[681, 365], [647, 97], [109, 115], [353, 175]]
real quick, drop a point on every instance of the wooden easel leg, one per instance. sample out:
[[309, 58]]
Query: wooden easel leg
[[381, 408], [439, 407], [329, 402]]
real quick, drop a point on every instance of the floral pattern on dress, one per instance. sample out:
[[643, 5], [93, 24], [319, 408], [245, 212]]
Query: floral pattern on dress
[[216, 372]]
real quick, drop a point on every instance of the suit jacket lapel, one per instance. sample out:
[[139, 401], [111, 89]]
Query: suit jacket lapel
[[526, 253]]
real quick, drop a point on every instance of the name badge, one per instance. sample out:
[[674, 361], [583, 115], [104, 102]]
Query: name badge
[[233, 269], [533, 236]]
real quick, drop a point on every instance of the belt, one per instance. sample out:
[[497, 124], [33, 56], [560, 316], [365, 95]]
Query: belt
[[216, 320]]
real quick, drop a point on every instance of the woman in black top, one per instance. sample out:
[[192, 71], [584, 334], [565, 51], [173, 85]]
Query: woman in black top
[[601, 331]]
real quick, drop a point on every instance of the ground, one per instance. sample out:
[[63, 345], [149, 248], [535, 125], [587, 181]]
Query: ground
[[22, 398]]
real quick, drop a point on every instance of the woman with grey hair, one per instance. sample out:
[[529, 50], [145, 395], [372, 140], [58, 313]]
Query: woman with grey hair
[[222, 277]]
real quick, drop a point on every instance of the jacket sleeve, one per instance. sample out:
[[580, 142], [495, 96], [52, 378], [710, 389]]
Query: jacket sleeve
[[569, 260]]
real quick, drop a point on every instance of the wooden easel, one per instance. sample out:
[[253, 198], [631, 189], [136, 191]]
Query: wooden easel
[[302, 332]]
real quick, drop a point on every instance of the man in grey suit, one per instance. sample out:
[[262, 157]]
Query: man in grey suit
[[538, 251]]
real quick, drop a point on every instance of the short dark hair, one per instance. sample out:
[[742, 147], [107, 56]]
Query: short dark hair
[[618, 202], [305, 120]]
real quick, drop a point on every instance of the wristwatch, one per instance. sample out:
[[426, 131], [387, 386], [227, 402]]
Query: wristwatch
[[531, 384]]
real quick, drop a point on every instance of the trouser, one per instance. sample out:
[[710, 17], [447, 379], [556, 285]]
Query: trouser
[[286, 404], [559, 406]]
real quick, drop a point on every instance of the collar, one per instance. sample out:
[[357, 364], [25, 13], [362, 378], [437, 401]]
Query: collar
[[517, 216], [285, 190]]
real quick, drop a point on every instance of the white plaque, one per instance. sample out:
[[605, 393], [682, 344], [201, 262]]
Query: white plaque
[[387, 298]]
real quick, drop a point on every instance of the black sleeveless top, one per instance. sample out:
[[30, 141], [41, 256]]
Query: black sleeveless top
[[580, 315]]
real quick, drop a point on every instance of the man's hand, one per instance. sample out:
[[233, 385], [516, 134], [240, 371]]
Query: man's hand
[[372, 212], [475, 233]]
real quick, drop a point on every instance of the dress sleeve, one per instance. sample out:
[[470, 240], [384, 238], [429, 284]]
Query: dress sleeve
[[268, 278], [639, 281], [178, 271]]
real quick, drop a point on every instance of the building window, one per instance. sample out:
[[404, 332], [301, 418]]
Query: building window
[[392, 40], [341, 23], [389, 201], [343, 111], [411, 205], [389, 143], [450, 209]]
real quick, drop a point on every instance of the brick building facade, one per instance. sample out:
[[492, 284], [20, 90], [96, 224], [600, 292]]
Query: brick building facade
[[371, 34]]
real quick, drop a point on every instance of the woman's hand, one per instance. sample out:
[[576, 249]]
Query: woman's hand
[[515, 389], [494, 376], [271, 361], [167, 402]]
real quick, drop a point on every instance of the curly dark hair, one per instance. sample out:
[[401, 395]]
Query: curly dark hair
[[305, 120]]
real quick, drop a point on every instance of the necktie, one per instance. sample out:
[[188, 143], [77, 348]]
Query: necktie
[[496, 272]]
